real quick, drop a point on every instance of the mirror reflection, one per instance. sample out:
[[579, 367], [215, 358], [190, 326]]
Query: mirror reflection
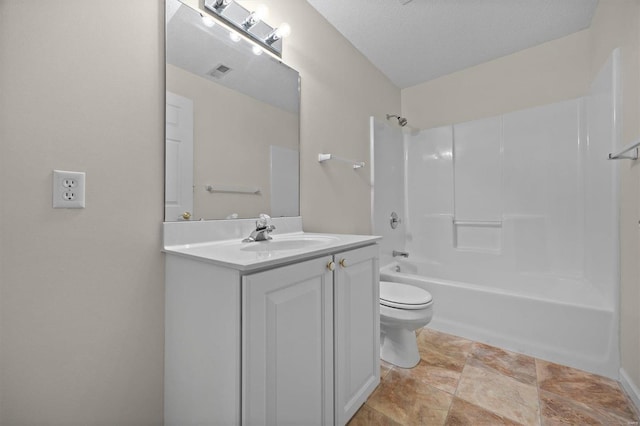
[[232, 124]]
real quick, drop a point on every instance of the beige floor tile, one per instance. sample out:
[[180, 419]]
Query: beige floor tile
[[459, 382], [589, 389], [443, 350], [499, 394], [452, 361], [463, 413], [556, 410], [409, 401], [518, 366], [440, 377], [385, 367], [367, 416]]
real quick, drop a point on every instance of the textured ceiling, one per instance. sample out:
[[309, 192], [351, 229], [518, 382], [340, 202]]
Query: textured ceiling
[[425, 39]]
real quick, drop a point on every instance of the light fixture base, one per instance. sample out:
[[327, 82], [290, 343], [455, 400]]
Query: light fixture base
[[235, 16]]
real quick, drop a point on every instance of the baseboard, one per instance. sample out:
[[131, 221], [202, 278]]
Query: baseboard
[[630, 387]]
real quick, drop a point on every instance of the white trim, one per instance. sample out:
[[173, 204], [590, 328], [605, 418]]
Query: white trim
[[630, 387]]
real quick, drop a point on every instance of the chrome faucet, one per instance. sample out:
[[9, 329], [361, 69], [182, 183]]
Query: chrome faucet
[[262, 231], [397, 253]]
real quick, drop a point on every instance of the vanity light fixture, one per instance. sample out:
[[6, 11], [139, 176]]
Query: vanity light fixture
[[254, 17], [282, 31], [221, 5], [248, 24]]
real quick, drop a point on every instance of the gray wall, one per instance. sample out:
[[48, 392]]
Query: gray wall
[[81, 291]]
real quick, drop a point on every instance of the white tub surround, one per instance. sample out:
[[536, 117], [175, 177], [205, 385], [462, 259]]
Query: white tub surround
[[513, 221], [279, 331]]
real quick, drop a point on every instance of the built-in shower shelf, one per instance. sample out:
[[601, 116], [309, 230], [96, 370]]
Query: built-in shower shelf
[[619, 155], [326, 157], [480, 236]]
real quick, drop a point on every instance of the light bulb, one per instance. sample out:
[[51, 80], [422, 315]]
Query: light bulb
[[254, 17], [257, 50], [261, 12], [208, 21], [284, 30], [234, 36]]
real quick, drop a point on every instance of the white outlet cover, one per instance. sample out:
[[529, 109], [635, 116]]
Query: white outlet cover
[[68, 189]]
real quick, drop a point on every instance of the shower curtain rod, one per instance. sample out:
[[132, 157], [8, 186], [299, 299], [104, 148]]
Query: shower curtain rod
[[619, 156]]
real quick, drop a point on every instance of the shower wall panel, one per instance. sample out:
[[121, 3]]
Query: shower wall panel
[[506, 201], [601, 197], [388, 180], [429, 189], [478, 170], [542, 187], [477, 147], [525, 201]]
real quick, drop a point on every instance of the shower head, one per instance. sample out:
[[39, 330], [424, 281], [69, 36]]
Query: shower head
[[401, 120]]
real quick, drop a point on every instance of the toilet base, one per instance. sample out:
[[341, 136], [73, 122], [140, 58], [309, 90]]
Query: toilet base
[[398, 346]]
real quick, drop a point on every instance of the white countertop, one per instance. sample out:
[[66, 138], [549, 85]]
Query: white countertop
[[282, 249]]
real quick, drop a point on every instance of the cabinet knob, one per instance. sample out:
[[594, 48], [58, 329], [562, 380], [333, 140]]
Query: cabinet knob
[[343, 263], [331, 266]]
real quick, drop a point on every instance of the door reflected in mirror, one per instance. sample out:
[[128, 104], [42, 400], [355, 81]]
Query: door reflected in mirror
[[232, 124]]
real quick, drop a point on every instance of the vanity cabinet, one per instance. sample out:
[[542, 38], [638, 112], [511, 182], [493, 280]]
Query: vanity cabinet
[[292, 344], [357, 329], [287, 336]]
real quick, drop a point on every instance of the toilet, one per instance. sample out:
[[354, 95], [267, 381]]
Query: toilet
[[403, 309]]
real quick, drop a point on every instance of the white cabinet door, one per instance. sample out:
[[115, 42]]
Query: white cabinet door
[[357, 329], [288, 345]]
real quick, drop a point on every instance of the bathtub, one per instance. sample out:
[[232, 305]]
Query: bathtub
[[550, 324]]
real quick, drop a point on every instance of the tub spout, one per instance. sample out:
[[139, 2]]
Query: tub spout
[[400, 253]]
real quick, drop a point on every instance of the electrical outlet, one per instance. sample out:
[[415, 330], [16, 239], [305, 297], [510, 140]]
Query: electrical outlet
[[68, 189], [69, 182]]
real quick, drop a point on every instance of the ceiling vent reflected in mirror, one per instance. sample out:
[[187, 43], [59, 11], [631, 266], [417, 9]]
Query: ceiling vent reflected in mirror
[[219, 71]]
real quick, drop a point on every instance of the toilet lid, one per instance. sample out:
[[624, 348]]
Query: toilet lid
[[403, 296]]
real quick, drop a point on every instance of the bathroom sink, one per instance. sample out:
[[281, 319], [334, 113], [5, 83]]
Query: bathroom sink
[[282, 249], [290, 243]]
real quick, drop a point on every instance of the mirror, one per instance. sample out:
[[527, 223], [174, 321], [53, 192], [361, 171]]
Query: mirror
[[232, 124]]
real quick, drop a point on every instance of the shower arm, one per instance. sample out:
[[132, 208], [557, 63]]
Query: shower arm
[[401, 120]]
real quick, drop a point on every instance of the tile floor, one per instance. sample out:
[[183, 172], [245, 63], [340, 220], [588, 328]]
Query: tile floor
[[460, 382]]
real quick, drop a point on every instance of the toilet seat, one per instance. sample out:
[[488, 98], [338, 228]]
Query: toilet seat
[[403, 296]]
